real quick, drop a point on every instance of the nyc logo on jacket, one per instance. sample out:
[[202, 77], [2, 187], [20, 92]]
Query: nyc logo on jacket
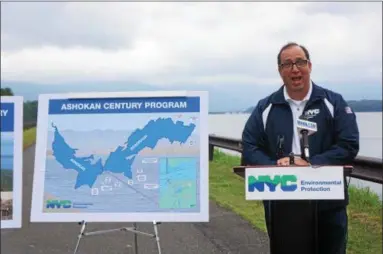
[[311, 113]]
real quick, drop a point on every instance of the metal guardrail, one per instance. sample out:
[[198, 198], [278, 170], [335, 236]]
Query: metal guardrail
[[365, 168]]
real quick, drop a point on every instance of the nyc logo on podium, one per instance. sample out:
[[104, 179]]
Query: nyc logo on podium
[[293, 183], [285, 183]]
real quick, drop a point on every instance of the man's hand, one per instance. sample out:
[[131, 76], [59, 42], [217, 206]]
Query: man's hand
[[298, 161], [285, 161]]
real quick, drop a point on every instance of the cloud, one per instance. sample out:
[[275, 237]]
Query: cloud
[[195, 43]]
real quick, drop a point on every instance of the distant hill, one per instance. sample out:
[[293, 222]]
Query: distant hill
[[356, 105], [366, 105]]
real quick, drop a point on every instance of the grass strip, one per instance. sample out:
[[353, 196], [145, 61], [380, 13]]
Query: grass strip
[[29, 137]]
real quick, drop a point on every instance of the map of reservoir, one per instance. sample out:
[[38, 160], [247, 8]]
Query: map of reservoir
[[155, 169]]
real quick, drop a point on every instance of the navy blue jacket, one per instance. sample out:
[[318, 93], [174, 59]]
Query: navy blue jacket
[[336, 141]]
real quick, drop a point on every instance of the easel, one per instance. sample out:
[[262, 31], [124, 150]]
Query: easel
[[124, 229]]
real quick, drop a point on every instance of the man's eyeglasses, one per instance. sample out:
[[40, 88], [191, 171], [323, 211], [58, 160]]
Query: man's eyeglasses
[[299, 63]]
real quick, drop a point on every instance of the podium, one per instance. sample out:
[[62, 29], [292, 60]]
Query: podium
[[290, 195]]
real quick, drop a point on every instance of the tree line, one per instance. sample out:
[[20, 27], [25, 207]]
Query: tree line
[[30, 107]]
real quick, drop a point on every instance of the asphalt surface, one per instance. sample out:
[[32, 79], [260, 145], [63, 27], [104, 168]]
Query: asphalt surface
[[226, 233]]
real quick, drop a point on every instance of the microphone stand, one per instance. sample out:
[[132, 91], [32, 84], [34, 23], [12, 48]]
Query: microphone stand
[[305, 145], [281, 147]]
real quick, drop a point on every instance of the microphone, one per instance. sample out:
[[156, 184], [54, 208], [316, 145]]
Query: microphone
[[306, 128]]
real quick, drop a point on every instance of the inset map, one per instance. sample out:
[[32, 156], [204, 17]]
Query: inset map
[[178, 183]]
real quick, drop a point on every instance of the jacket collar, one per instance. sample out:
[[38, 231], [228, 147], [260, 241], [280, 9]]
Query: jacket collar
[[279, 97]]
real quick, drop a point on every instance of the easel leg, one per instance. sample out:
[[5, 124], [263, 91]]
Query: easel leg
[[135, 239], [157, 236], [83, 223], [126, 229]]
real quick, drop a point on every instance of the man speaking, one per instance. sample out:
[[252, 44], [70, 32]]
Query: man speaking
[[334, 142]]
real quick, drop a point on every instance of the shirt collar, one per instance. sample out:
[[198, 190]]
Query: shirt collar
[[306, 98]]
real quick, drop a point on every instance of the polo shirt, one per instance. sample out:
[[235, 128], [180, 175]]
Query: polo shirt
[[297, 108]]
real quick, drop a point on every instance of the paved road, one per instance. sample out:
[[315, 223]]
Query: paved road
[[226, 233]]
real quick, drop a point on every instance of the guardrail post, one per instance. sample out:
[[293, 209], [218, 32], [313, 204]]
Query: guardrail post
[[211, 152]]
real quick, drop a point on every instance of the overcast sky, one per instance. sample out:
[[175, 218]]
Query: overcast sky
[[201, 43]]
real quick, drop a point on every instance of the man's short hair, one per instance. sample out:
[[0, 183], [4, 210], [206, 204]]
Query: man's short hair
[[291, 44]]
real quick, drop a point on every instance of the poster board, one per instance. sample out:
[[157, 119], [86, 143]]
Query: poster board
[[11, 161], [126, 156]]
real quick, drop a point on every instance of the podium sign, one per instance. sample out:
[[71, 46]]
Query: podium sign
[[294, 183]]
